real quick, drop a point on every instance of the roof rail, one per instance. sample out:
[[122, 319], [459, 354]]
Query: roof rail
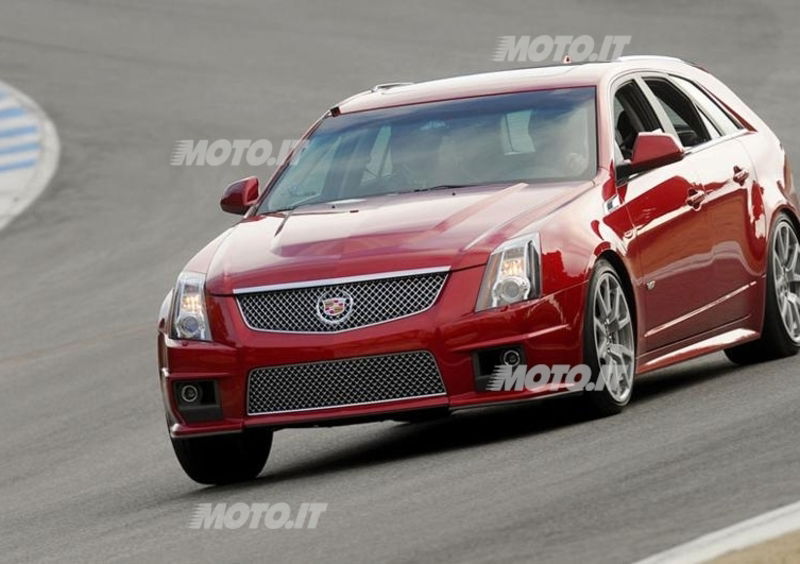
[[388, 85], [647, 57], [661, 58]]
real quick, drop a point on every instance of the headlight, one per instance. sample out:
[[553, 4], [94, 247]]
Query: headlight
[[189, 319], [512, 273]]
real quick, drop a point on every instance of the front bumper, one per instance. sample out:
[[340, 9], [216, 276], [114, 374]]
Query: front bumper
[[548, 330]]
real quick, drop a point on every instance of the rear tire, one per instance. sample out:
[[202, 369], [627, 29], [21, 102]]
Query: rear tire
[[224, 459], [780, 336], [609, 343]]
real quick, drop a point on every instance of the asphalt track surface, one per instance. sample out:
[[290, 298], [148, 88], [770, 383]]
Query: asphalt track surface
[[86, 469]]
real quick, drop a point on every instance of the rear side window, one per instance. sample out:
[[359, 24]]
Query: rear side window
[[681, 111], [724, 122]]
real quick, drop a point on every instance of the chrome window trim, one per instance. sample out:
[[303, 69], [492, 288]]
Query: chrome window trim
[[740, 132], [713, 98], [715, 142], [636, 75]]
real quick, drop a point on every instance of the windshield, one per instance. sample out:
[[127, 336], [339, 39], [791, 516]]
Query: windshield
[[545, 135]]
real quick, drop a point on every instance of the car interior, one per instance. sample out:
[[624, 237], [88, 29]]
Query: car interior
[[692, 128], [633, 114]]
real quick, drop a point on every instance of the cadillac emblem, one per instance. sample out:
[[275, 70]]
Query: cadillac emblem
[[334, 306]]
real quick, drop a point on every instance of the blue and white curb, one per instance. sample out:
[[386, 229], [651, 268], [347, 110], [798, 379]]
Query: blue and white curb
[[29, 151]]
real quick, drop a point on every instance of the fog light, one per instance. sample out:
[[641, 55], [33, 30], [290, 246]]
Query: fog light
[[511, 357], [198, 400], [487, 361], [190, 393]]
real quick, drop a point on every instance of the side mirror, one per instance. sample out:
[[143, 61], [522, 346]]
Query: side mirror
[[651, 150], [240, 195]]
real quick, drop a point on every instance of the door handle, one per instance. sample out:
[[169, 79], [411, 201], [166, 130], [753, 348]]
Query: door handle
[[695, 197], [740, 175]]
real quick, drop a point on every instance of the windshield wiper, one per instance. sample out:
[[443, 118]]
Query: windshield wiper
[[315, 198], [442, 187], [303, 202]]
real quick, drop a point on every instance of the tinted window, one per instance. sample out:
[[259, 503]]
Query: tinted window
[[681, 111], [517, 129], [711, 128], [721, 118], [533, 136], [380, 163], [632, 115]]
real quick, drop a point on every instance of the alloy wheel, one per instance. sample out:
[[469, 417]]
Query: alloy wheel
[[613, 337], [786, 275]]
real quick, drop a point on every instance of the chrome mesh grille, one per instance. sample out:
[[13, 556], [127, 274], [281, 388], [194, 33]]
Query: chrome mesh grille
[[368, 302], [369, 379]]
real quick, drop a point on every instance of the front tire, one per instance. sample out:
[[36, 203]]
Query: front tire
[[224, 459], [780, 336], [609, 343]]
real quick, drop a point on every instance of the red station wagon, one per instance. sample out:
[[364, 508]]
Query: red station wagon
[[622, 216]]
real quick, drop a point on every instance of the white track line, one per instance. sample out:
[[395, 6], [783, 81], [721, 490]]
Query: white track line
[[742, 535], [21, 195], [19, 121], [19, 156], [7, 102], [17, 140]]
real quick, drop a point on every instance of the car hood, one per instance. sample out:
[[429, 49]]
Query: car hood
[[454, 228]]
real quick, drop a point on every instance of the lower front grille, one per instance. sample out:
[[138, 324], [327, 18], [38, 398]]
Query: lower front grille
[[339, 383]]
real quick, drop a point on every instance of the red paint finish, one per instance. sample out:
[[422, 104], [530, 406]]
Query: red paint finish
[[689, 236], [240, 195], [655, 149]]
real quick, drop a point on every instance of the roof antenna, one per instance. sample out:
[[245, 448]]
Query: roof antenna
[[566, 60]]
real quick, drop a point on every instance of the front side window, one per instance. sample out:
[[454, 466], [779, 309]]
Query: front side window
[[632, 115], [546, 135]]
